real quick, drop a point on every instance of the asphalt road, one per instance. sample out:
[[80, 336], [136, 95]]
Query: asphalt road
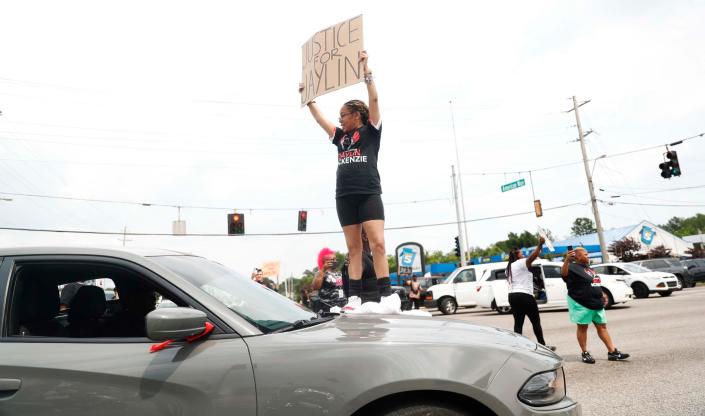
[[665, 336]]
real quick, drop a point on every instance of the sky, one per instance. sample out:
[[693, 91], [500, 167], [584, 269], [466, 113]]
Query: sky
[[196, 105]]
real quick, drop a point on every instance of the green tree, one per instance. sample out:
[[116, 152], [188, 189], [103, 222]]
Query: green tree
[[435, 257], [685, 226], [583, 226], [525, 239], [673, 225]]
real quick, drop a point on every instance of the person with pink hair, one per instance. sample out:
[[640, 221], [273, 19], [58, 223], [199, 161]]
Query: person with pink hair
[[328, 282]]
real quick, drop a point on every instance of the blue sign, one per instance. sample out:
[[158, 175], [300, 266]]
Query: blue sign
[[647, 235], [407, 257]]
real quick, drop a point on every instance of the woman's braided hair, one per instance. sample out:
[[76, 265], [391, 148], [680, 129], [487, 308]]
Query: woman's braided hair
[[359, 107]]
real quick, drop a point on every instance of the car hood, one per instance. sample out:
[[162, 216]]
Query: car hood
[[654, 274], [404, 329]]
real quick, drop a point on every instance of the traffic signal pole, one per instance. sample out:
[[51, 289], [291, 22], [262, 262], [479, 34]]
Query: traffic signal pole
[[461, 236], [593, 199]]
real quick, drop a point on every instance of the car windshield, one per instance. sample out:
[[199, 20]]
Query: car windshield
[[634, 268], [264, 308]]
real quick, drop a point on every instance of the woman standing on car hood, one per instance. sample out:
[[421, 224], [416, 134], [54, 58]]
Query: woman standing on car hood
[[358, 190], [521, 291]]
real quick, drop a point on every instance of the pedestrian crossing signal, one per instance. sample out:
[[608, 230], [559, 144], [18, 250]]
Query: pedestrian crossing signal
[[236, 224], [303, 216]]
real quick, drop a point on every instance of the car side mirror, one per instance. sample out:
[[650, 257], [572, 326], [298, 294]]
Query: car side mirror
[[174, 323]]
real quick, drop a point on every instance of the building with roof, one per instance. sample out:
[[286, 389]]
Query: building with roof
[[696, 240], [645, 232]]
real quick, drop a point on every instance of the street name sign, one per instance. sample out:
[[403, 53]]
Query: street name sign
[[513, 185]]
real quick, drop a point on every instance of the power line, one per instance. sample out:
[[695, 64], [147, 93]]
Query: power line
[[153, 204], [590, 160], [650, 204], [123, 233], [658, 190]]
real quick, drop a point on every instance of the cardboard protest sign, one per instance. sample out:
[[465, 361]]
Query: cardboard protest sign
[[330, 59], [270, 269], [544, 234]]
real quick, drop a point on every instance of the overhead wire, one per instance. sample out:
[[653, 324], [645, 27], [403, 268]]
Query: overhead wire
[[441, 224]]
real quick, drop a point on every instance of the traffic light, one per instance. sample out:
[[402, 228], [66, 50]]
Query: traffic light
[[236, 224], [537, 208], [303, 216], [457, 247], [675, 166], [665, 169]]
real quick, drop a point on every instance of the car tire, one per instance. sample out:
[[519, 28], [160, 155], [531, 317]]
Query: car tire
[[502, 310], [448, 306], [681, 281], [423, 409], [610, 299], [640, 290], [666, 293]]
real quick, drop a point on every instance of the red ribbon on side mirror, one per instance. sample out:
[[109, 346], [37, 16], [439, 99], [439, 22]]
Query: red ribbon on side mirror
[[162, 345]]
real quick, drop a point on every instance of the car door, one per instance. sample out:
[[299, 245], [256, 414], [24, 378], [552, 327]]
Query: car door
[[556, 290], [464, 287], [113, 375]]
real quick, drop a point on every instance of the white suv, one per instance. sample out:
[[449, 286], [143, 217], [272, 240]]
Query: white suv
[[493, 290], [642, 280]]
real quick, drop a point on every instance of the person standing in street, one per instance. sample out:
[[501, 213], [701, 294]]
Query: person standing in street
[[521, 291], [586, 303], [358, 187], [415, 293], [328, 282]]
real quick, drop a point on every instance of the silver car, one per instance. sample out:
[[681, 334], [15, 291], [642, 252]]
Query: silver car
[[230, 346]]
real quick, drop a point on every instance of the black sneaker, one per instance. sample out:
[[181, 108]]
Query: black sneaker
[[617, 355], [587, 358]]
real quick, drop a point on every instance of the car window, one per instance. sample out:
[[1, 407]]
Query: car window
[[635, 268], [552, 272], [499, 274], [655, 264], [674, 262], [600, 269], [262, 307], [80, 300], [465, 276]]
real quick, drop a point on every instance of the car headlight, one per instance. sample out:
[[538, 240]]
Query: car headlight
[[544, 389]]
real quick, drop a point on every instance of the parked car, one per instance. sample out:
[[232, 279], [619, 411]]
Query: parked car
[[457, 290], [427, 282], [493, 290], [642, 280], [403, 293], [227, 331], [696, 268], [669, 265]]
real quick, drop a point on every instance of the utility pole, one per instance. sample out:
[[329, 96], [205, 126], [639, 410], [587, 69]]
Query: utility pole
[[124, 236], [460, 179], [461, 240], [593, 200]]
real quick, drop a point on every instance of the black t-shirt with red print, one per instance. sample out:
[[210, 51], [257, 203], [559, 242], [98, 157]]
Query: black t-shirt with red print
[[584, 286], [357, 160]]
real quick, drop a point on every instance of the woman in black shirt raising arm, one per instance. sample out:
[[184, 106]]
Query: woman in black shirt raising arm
[[358, 189]]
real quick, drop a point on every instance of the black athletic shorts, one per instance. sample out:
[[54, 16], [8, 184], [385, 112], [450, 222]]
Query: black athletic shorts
[[358, 208]]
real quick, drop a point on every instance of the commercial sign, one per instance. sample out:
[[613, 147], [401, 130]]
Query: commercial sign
[[410, 259]]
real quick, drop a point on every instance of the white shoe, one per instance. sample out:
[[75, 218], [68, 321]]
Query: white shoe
[[354, 302]]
